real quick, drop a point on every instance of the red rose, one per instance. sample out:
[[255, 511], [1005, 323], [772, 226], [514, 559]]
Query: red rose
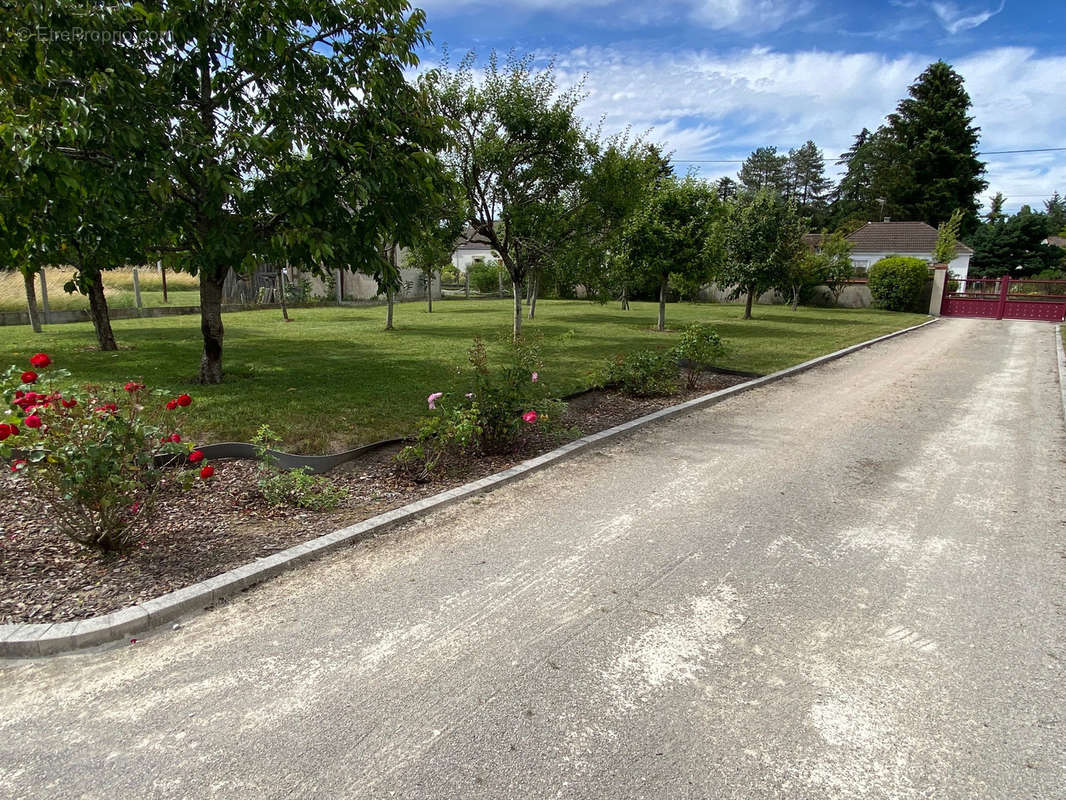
[[174, 437], [184, 400], [32, 421], [195, 457], [40, 360], [14, 430], [70, 403], [171, 405], [19, 394], [5, 431], [29, 376], [164, 439], [207, 472], [133, 387]]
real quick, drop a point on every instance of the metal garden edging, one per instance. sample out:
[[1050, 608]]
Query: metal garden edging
[[41, 639]]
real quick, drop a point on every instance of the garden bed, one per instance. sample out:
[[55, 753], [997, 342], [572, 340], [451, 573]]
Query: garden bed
[[225, 523]]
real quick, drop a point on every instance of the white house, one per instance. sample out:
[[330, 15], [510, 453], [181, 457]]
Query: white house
[[875, 240], [472, 248]]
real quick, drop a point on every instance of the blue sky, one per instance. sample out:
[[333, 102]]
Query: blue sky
[[714, 79]]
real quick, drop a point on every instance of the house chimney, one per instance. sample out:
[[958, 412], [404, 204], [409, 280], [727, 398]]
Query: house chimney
[[888, 219]]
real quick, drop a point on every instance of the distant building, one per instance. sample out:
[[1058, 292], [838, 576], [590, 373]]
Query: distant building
[[472, 248], [875, 240]]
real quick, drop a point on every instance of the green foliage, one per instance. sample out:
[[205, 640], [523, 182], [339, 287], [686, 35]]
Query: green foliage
[[644, 373], [1013, 245], [672, 234], [1055, 210], [519, 152], [765, 169], [947, 238], [296, 487], [896, 282], [922, 164], [506, 403], [90, 455], [834, 263], [485, 276], [698, 348], [762, 240]]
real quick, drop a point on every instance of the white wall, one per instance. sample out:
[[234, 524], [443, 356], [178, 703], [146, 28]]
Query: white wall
[[959, 266], [462, 259]]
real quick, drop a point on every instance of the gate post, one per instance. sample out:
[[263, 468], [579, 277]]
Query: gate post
[[1004, 287], [940, 283]]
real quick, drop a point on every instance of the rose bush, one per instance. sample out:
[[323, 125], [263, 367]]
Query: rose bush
[[505, 404], [91, 456]]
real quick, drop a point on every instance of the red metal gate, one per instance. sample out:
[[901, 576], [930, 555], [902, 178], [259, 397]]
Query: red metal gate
[[1005, 298]]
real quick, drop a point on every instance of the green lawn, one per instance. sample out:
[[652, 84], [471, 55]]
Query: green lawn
[[333, 377]]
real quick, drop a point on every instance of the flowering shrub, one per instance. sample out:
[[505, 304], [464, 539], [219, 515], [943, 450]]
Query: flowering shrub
[[294, 487], [504, 405], [91, 456]]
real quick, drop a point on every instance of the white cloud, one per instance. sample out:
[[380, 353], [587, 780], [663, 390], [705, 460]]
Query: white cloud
[[955, 19], [705, 105], [748, 16]]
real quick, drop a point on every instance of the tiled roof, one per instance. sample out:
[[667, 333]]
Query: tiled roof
[[897, 237], [813, 240], [472, 241], [1058, 241]]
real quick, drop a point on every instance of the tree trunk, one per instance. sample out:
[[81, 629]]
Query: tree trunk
[[795, 297], [211, 327], [429, 292], [625, 298], [747, 305], [467, 275], [98, 312], [662, 305], [534, 288], [281, 294], [31, 300], [163, 278], [517, 309], [388, 313]]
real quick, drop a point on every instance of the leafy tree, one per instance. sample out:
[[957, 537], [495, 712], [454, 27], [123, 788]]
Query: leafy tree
[[835, 267], [619, 180], [1055, 208], [947, 238], [519, 152], [280, 131], [433, 245], [73, 174], [671, 235], [726, 188], [764, 169], [762, 240]]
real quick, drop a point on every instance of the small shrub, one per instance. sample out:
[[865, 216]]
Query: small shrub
[[296, 487], [645, 373], [698, 347], [91, 456], [505, 404], [896, 282]]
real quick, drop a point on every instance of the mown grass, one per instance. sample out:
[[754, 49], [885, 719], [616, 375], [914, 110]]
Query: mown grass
[[333, 377]]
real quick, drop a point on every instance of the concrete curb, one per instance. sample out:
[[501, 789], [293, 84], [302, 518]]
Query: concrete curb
[[1062, 367], [30, 640]]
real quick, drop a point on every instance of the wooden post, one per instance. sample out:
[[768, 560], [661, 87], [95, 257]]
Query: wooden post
[[137, 289], [163, 277], [44, 299]]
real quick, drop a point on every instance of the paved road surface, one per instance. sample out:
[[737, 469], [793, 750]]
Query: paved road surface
[[847, 585]]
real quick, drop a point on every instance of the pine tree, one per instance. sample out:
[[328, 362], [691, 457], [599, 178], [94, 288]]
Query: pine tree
[[764, 169], [933, 151], [995, 211], [1056, 214]]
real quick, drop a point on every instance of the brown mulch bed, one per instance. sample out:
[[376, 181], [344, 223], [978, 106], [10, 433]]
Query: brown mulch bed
[[223, 524]]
